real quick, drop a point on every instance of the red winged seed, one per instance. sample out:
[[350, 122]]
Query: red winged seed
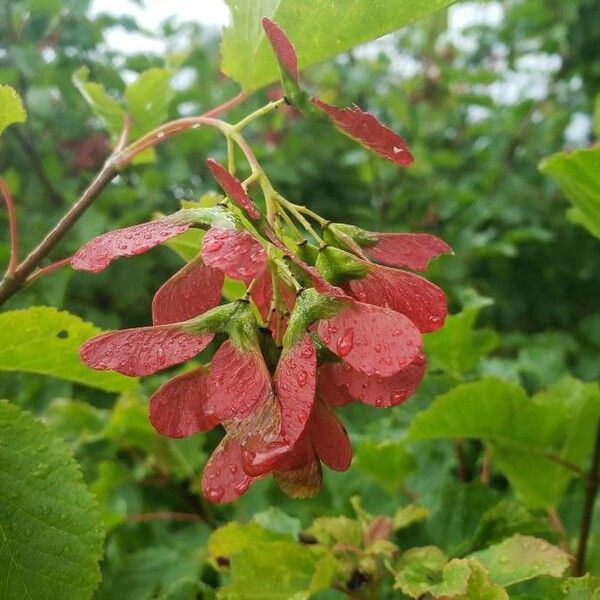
[[190, 292], [224, 479], [367, 130], [330, 439], [142, 351], [238, 254], [364, 336], [423, 302], [410, 250], [238, 383], [284, 50], [233, 188], [98, 253], [177, 408], [295, 383], [339, 385]]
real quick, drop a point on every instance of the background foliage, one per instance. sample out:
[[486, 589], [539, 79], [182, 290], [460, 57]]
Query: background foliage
[[474, 464]]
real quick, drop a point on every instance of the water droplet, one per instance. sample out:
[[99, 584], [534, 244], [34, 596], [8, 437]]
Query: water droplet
[[345, 343], [160, 356], [302, 378], [233, 469], [215, 494], [307, 352], [398, 396], [397, 150], [213, 245], [378, 401], [377, 347], [504, 559]]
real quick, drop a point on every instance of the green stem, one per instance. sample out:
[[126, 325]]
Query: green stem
[[301, 219], [264, 110]]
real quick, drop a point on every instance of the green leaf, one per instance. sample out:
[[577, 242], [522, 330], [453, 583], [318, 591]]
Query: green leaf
[[458, 346], [521, 558], [582, 588], [500, 413], [387, 463], [319, 30], [278, 571], [274, 519], [578, 176], [50, 531], [235, 537], [337, 530], [11, 107], [407, 515], [75, 421], [46, 341], [147, 100], [103, 105], [426, 571]]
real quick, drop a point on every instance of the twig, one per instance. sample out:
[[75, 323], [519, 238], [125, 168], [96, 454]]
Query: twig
[[588, 509], [13, 283], [566, 464], [558, 526], [460, 458], [12, 223], [123, 135], [48, 269]]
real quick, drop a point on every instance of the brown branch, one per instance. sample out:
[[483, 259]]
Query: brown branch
[[558, 526], [13, 283], [48, 269], [12, 224], [486, 466], [593, 482]]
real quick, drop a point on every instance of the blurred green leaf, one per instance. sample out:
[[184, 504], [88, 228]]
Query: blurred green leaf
[[75, 421], [521, 558], [582, 588], [407, 515], [578, 175], [274, 519], [319, 30], [11, 107], [45, 340], [102, 104], [387, 463], [458, 346], [50, 529]]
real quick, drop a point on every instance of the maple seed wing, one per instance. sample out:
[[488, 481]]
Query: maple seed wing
[[142, 351], [238, 254], [237, 384], [423, 302], [371, 339], [330, 439], [233, 188], [295, 384], [367, 130], [283, 48], [177, 408], [409, 250], [98, 253], [190, 292], [224, 479]]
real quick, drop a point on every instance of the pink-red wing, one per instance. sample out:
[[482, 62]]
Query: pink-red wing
[[423, 302], [371, 339], [224, 479], [190, 292], [295, 383], [233, 188], [142, 351], [330, 439], [238, 383], [284, 50], [367, 130], [340, 384], [238, 254], [410, 250], [177, 408], [98, 253]]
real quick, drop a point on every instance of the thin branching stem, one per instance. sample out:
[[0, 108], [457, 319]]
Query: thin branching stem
[[14, 232]]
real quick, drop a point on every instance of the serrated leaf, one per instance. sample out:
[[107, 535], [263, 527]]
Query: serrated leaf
[[319, 30], [297, 573], [147, 100], [11, 107], [578, 175], [46, 341], [50, 528], [521, 558], [103, 104], [500, 413], [235, 537]]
